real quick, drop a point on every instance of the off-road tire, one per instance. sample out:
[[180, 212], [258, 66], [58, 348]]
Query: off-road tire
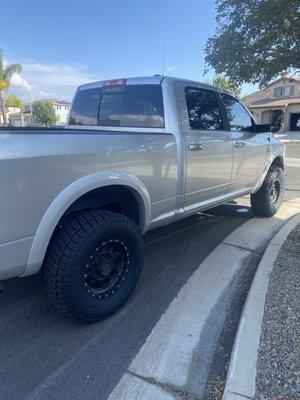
[[267, 200], [69, 254]]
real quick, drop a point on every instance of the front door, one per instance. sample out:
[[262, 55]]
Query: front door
[[249, 148], [208, 148]]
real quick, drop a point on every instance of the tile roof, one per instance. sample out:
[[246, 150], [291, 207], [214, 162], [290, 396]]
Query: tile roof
[[275, 103]]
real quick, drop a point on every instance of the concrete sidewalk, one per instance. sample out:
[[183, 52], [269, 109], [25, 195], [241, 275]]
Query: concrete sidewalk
[[251, 374]]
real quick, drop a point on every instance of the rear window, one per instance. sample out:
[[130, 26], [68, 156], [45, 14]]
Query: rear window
[[85, 108], [203, 109], [123, 106]]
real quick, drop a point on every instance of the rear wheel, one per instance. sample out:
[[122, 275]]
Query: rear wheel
[[93, 264], [267, 200]]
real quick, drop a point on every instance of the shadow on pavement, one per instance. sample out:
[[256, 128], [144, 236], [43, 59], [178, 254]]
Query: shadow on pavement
[[46, 356]]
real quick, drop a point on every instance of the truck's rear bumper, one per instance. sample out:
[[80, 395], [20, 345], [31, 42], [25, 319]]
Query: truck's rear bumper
[[14, 256]]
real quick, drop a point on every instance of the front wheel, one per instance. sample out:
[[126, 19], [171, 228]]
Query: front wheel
[[93, 264], [267, 200]]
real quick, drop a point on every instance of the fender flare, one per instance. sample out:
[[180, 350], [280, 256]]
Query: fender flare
[[69, 195], [270, 160]]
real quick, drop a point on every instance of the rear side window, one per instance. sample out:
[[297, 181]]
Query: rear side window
[[133, 106], [239, 119], [203, 109], [85, 108], [123, 106]]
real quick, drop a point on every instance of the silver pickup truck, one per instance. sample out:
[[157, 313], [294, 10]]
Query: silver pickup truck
[[136, 154]]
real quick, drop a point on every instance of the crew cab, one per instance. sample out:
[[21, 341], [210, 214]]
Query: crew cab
[[136, 154]]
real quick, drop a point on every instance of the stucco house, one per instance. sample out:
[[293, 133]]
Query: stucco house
[[278, 104], [61, 109], [15, 118], [9, 111]]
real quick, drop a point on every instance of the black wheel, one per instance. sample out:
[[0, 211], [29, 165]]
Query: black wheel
[[93, 264], [267, 200]]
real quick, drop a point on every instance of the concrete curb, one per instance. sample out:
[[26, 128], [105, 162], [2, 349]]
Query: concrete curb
[[241, 376], [174, 361]]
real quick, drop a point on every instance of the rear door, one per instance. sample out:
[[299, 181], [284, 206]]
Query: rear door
[[249, 148], [208, 149]]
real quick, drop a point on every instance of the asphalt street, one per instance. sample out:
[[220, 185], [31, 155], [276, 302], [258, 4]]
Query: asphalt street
[[45, 356]]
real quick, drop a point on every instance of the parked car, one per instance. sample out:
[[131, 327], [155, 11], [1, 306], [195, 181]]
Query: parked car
[[136, 154]]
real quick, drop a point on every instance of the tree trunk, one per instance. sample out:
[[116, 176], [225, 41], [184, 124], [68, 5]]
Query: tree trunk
[[3, 108]]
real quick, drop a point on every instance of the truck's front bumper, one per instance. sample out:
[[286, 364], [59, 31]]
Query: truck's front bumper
[[14, 256]]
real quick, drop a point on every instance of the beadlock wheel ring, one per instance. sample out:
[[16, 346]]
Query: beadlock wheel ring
[[106, 269]]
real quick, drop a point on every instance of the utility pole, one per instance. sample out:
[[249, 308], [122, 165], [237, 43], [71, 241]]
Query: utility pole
[[30, 108]]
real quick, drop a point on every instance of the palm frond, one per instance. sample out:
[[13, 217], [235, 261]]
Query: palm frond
[[11, 69]]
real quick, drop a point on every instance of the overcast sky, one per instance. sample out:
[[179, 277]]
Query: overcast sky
[[62, 44]]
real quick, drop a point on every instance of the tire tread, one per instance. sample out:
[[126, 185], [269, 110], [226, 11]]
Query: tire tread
[[66, 240], [259, 201]]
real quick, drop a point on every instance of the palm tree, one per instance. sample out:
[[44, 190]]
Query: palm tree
[[6, 72]]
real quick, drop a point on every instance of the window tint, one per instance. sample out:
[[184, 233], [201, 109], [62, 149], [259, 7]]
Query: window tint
[[239, 119], [203, 109], [132, 106], [124, 106], [85, 107]]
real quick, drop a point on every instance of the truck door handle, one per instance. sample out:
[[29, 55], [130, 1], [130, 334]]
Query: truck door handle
[[196, 146], [239, 144]]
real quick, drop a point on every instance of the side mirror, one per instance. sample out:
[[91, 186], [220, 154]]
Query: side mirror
[[263, 128]]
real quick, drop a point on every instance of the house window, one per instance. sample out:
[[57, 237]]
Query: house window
[[284, 91]]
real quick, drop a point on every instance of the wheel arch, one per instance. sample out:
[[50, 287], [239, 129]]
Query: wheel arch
[[69, 200], [278, 160]]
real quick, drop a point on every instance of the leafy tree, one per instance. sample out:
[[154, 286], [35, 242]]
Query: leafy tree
[[256, 40], [223, 82], [14, 101], [6, 72], [244, 99], [43, 113]]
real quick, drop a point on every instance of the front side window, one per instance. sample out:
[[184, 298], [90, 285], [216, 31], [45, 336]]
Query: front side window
[[85, 108], [239, 119], [203, 109]]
